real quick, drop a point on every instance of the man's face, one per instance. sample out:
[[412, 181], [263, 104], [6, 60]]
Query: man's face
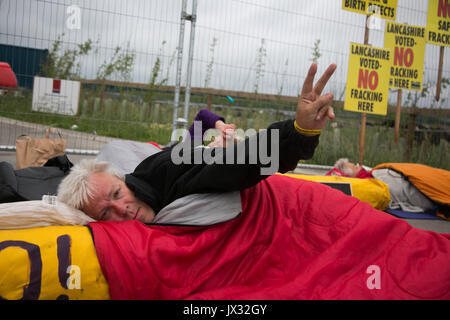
[[113, 201]]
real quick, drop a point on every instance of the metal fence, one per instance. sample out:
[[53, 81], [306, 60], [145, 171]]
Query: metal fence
[[249, 59]]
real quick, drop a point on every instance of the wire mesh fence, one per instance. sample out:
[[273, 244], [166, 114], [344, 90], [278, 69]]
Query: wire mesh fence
[[249, 61]]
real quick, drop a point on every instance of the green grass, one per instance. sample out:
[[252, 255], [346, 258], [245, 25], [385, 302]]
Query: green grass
[[127, 116]]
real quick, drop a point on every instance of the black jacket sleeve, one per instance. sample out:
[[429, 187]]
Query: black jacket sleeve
[[185, 169]]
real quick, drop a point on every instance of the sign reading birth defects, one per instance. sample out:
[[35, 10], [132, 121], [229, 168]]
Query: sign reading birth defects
[[386, 9], [438, 22], [408, 45], [367, 79]]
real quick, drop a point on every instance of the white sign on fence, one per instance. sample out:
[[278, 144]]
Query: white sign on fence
[[55, 95]]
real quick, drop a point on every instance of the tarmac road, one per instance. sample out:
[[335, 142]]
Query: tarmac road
[[79, 145], [10, 129]]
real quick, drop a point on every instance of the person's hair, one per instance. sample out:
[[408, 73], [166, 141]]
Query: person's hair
[[75, 189], [341, 165]]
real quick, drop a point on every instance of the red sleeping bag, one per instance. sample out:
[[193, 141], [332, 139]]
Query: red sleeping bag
[[294, 239]]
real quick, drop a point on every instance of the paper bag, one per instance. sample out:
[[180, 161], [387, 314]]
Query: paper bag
[[35, 152]]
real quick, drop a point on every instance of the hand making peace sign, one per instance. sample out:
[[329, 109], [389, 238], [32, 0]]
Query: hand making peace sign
[[313, 110]]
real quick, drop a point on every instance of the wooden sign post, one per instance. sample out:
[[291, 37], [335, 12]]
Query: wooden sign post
[[367, 87], [362, 136], [358, 100], [398, 111], [439, 79]]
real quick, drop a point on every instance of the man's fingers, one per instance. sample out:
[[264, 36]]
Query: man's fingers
[[309, 81], [321, 105], [331, 114], [322, 112], [320, 85], [326, 111], [322, 101]]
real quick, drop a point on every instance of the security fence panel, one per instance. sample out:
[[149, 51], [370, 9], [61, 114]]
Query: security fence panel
[[107, 69]]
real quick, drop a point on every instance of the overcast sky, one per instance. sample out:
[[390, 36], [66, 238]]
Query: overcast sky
[[280, 34]]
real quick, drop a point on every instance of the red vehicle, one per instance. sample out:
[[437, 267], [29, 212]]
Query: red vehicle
[[8, 79]]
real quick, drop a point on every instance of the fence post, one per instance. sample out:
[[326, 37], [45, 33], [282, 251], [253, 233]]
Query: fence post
[[410, 137], [123, 110], [85, 107], [439, 79], [187, 96], [108, 108], [144, 112], [397, 115], [96, 106], [133, 112], [176, 101], [336, 141], [155, 113], [210, 98], [364, 115]]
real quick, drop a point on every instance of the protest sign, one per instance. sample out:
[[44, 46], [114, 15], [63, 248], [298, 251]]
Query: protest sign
[[438, 22], [368, 79], [386, 9], [408, 48]]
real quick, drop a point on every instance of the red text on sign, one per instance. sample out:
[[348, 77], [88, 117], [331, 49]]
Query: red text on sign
[[367, 78], [403, 56], [443, 9]]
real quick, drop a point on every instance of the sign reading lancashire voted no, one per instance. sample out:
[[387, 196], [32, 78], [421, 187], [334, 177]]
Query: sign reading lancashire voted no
[[386, 9], [408, 45], [438, 22], [367, 79]]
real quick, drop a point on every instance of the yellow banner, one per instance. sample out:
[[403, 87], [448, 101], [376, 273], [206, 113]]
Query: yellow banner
[[50, 263], [386, 9], [408, 48], [368, 79], [438, 22]]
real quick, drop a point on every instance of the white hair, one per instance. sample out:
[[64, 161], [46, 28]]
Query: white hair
[[75, 189], [341, 165]]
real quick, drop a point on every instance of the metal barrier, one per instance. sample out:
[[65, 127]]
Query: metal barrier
[[248, 63]]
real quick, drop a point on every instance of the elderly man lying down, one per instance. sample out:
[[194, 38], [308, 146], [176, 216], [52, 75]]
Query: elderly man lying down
[[284, 238], [183, 170]]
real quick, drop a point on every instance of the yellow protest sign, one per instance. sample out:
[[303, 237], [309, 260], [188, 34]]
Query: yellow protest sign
[[367, 79], [50, 263], [408, 47], [438, 22], [386, 9]]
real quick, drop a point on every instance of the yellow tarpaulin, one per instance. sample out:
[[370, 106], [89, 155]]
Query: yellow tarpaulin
[[50, 263]]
